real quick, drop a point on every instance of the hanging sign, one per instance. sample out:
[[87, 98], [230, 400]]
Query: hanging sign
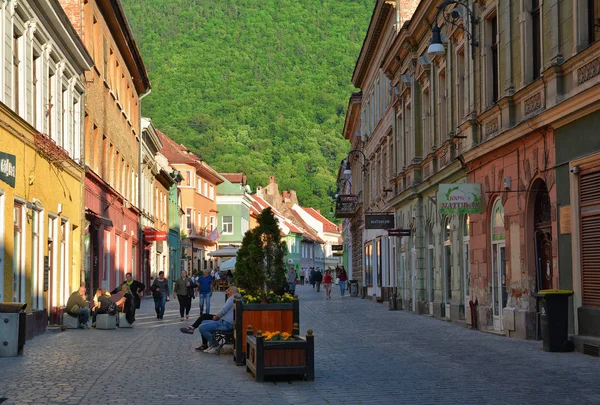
[[155, 236], [462, 198], [379, 221], [336, 248], [8, 168]]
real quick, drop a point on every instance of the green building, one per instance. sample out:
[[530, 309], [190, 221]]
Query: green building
[[233, 205]]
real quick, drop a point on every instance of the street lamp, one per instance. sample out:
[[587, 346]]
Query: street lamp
[[347, 170], [436, 47]]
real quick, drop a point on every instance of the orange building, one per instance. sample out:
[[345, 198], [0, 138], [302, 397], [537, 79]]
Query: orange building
[[112, 141], [198, 201]]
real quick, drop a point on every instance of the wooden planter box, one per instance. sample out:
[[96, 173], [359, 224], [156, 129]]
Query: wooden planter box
[[282, 358], [282, 317]]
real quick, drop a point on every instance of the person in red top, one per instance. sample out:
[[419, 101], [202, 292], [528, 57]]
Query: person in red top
[[343, 276], [327, 284]]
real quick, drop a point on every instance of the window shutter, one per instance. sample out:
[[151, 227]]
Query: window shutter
[[589, 188]]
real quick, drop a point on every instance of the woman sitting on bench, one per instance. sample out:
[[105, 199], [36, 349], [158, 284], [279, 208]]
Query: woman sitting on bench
[[102, 303]]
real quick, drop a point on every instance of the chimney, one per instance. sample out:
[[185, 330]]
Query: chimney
[[272, 179]]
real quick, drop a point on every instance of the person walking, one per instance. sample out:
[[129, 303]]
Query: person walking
[[180, 290], [302, 275], [312, 276], [160, 293], [205, 290], [343, 277], [291, 280], [327, 284], [318, 279]]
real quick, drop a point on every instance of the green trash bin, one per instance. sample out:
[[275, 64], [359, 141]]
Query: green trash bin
[[554, 322]]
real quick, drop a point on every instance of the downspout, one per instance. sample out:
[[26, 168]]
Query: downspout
[[142, 250]]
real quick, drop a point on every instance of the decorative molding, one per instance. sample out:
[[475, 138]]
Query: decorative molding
[[588, 71], [491, 127], [533, 104]]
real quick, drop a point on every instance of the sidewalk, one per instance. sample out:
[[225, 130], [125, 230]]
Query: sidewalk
[[364, 354]]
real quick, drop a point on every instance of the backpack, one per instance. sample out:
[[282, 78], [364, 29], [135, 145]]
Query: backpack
[[112, 309]]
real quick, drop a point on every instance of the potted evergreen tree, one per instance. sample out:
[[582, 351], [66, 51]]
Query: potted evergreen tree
[[260, 277]]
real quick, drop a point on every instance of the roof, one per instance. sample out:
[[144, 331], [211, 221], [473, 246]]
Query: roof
[[259, 204], [235, 177], [328, 226], [308, 231], [179, 154]]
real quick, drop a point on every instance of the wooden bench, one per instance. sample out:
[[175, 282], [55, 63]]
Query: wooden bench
[[223, 337]]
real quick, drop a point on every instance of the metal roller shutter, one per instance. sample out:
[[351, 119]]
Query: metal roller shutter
[[589, 187]]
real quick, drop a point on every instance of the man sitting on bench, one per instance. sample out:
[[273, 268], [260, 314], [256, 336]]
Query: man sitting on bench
[[195, 325], [221, 321]]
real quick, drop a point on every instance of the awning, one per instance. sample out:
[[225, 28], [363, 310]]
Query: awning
[[93, 217], [228, 264], [227, 251]]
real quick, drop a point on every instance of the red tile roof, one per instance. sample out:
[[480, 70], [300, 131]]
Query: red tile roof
[[235, 177], [308, 231], [328, 226]]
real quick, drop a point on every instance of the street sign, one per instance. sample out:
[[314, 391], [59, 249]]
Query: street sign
[[399, 232], [379, 221], [338, 253], [337, 247]]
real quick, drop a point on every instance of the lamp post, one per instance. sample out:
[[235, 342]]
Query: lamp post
[[436, 47]]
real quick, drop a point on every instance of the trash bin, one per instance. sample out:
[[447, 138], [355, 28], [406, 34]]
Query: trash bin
[[554, 322], [12, 328], [353, 288]]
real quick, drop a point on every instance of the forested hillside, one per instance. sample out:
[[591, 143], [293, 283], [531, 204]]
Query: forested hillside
[[255, 86]]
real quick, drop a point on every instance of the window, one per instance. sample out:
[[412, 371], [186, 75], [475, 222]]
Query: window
[[17, 75], [198, 185], [107, 256], [36, 92], [64, 261], [105, 68], [18, 250], [536, 38], [188, 178], [442, 112], [369, 264], [227, 224], [212, 223], [188, 219], [492, 62], [425, 116], [37, 268], [460, 86], [499, 294], [64, 136], [447, 260], [211, 191], [593, 20], [49, 110], [206, 189], [117, 258]]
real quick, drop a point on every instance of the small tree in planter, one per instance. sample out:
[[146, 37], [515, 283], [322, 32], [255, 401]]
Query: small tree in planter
[[260, 266], [260, 276]]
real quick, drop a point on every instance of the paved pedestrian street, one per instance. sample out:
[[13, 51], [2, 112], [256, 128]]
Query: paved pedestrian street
[[364, 354]]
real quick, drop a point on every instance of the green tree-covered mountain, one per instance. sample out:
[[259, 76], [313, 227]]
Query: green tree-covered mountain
[[255, 86]]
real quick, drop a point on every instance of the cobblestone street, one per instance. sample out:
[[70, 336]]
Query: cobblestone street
[[364, 354]]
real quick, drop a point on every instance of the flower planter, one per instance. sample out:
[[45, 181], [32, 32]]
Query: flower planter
[[284, 317], [282, 358]]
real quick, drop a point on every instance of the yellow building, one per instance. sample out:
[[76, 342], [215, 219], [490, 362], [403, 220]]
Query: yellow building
[[41, 179]]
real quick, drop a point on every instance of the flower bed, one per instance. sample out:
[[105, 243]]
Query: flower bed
[[292, 355]]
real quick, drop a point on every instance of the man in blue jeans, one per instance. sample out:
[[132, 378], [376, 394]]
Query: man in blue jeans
[[79, 307], [205, 289], [221, 321]]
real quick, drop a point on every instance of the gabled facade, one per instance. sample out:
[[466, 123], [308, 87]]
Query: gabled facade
[[233, 205], [198, 202]]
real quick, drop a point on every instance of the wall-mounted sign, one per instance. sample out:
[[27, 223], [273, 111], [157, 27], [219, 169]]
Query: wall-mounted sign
[[399, 232], [154, 236], [379, 221], [337, 253], [337, 247], [8, 168], [462, 198]]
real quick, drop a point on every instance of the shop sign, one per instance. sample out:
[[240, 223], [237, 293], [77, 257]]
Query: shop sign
[[462, 198], [8, 168], [379, 221], [336, 248], [155, 236]]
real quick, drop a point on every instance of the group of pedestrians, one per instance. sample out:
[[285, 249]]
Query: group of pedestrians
[[341, 278]]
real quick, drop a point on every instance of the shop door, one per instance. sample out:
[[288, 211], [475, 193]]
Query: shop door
[[498, 283], [413, 279]]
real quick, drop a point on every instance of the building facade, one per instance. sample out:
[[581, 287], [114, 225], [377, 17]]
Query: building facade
[[112, 132], [233, 206], [508, 122], [198, 202], [41, 173]]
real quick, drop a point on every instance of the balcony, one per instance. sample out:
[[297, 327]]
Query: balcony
[[346, 205], [201, 234]]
